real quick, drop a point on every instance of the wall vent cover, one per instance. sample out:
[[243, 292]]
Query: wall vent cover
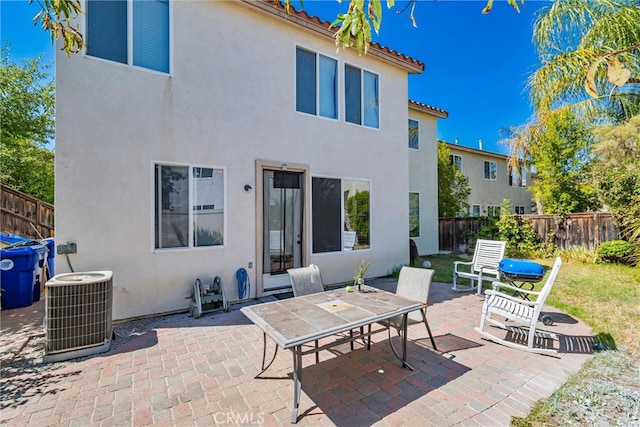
[[78, 318]]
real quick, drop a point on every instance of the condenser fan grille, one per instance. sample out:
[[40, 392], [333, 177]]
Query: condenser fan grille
[[78, 314]]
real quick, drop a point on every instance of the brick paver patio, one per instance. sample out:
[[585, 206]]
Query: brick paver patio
[[201, 372]]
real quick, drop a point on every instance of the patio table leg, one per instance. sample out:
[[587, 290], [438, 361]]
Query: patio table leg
[[264, 355], [297, 381], [405, 322]]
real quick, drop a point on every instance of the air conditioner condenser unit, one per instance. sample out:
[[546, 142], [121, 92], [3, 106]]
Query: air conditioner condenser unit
[[78, 319]]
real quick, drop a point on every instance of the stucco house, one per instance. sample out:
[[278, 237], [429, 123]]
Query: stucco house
[[423, 175], [197, 138], [491, 181]]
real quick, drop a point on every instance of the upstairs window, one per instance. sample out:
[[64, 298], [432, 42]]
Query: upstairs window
[[316, 84], [361, 97], [133, 32], [490, 170], [414, 134], [456, 161], [516, 180]]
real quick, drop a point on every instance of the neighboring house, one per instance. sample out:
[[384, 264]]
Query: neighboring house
[[491, 181], [197, 138], [423, 176]]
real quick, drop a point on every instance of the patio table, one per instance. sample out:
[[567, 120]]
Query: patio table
[[294, 322]]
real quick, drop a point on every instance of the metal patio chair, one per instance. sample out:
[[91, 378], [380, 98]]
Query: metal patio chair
[[414, 284]]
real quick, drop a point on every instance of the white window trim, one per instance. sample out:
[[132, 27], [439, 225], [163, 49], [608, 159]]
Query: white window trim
[[342, 214], [152, 204], [344, 98], [129, 64], [339, 75], [417, 121], [461, 162], [483, 170]]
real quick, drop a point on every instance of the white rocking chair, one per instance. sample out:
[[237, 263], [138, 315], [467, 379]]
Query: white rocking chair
[[523, 312], [484, 266]]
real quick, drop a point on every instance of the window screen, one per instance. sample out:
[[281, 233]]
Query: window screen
[[326, 213], [151, 34], [107, 30]]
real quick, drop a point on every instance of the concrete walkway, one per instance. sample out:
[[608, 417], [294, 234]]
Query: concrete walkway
[[201, 372]]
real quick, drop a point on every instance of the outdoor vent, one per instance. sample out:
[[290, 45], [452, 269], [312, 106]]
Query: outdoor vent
[[78, 315]]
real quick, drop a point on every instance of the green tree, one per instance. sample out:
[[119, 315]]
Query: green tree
[[453, 186], [561, 151], [27, 103], [616, 175], [590, 55], [353, 27], [358, 213]]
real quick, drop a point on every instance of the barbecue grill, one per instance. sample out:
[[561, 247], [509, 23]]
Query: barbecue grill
[[523, 274], [521, 270]]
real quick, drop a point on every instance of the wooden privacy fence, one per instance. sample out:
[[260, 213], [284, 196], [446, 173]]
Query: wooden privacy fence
[[584, 230], [25, 215]]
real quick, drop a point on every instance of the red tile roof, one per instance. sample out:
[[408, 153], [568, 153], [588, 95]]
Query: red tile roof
[[428, 109], [314, 23]]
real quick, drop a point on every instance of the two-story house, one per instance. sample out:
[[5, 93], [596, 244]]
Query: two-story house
[[197, 138], [491, 181], [423, 176]]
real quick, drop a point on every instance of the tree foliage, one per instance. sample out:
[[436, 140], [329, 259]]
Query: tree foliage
[[353, 27], [590, 56], [616, 175], [561, 150], [55, 17], [27, 102], [453, 185]]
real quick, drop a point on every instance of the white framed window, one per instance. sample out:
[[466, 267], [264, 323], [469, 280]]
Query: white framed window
[[361, 93], [519, 210], [456, 161], [316, 84], [189, 206], [340, 207], [133, 32], [475, 210], [516, 180], [414, 214], [414, 134], [490, 170]]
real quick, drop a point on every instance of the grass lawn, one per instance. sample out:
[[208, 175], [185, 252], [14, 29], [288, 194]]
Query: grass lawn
[[607, 298]]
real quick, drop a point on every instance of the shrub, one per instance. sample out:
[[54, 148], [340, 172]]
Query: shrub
[[616, 251]]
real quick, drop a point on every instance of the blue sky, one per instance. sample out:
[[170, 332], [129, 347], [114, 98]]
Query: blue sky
[[476, 65]]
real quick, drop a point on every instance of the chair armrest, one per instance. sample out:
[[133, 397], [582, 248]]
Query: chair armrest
[[497, 285], [457, 263], [489, 292]]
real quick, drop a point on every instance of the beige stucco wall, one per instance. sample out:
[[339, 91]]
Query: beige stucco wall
[[229, 101], [423, 179], [486, 192]]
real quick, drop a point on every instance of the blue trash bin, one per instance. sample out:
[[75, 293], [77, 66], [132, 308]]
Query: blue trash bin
[[51, 261], [43, 251], [17, 276]]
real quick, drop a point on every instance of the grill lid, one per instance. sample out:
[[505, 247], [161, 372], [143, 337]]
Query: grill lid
[[521, 269]]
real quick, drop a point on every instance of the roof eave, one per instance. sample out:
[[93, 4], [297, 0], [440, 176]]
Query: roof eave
[[314, 24]]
